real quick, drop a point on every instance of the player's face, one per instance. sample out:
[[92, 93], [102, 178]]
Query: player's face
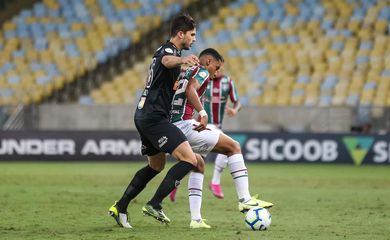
[[220, 71], [188, 39], [213, 67]]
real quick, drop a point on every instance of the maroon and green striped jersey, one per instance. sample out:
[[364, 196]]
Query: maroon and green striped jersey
[[218, 91], [181, 109]]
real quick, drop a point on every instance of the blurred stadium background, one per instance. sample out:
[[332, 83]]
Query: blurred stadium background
[[300, 65], [313, 77]]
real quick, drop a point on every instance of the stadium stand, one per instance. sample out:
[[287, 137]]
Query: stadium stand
[[308, 53], [281, 52], [49, 45]]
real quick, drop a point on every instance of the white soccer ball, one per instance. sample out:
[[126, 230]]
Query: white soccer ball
[[258, 219]]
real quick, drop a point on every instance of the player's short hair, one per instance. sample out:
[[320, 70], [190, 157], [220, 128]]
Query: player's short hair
[[183, 22], [212, 52]]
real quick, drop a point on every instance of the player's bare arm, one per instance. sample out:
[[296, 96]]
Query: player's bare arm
[[231, 112], [192, 96], [170, 61]]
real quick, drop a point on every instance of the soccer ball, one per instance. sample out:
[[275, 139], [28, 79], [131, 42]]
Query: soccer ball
[[258, 219]]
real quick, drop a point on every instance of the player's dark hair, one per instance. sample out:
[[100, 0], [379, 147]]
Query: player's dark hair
[[183, 22], [212, 52]]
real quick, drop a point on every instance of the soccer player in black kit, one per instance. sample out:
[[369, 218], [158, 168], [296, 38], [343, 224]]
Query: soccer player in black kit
[[158, 135]]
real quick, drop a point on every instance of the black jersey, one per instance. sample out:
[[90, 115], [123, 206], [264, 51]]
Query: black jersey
[[155, 101]]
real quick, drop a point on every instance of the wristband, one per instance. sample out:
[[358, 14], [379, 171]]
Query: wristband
[[202, 113]]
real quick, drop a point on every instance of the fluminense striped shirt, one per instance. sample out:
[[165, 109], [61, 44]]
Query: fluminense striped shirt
[[216, 97]]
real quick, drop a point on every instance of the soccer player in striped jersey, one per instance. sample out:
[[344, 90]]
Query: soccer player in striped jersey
[[194, 81], [218, 92], [215, 101]]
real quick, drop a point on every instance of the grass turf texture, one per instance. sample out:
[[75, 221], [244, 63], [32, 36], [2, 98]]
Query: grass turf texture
[[70, 201]]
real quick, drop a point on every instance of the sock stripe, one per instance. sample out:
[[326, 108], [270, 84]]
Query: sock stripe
[[195, 189], [193, 194], [239, 171], [240, 176]]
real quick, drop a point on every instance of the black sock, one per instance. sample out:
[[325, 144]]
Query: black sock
[[137, 184], [171, 180]]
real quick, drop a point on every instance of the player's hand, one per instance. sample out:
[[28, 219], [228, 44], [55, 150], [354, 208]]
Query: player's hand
[[202, 124], [231, 112], [190, 60]]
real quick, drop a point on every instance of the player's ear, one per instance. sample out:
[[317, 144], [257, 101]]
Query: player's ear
[[208, 61], [180, 34]]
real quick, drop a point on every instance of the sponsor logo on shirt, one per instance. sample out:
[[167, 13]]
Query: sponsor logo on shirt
[[216, 99], [203, 74], [141, 102]]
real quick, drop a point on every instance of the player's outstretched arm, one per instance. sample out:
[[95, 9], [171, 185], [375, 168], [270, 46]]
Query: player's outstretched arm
[[193, 98], [170, 61]]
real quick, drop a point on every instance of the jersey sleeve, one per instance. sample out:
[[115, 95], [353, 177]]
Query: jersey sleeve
[[167, 50], [199, 74], [233, 91], [164, 51]]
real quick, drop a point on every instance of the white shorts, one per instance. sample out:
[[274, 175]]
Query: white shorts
[[201, 142]]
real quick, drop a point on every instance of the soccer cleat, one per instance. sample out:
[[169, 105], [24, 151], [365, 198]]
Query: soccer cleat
[[158, 214], [122, 219], [216, 190], [253, 202], [200, 223], [172, 195]]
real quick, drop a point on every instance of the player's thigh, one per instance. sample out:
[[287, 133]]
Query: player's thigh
[[156, 158], [161, 135], [183, 152], [147, 148], [226, 145], [157, 161], [204, 141]]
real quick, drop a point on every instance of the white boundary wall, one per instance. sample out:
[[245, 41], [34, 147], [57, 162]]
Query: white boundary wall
[[109, 117]]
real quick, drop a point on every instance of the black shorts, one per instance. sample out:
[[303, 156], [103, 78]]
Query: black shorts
[[158, 135]]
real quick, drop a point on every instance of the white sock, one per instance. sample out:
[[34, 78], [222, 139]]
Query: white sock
[[195, 185], [220, 164], [240, 176]]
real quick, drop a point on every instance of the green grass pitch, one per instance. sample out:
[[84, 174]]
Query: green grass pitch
[[70, 201]]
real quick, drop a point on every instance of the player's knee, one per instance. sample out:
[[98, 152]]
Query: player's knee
[[157, 166], [157, 162], [191, 159], [200, 164], [235, 147], [187, 157], [185, 153]]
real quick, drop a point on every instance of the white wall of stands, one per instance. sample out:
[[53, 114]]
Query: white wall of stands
[[110, 117]]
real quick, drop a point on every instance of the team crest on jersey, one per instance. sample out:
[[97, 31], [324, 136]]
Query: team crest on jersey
[[162, 141], [168, 50], [225, 87]]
